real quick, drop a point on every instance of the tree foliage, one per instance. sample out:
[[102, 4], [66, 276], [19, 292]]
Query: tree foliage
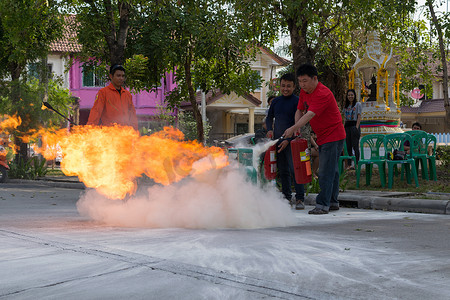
[[329, 33], [27, 27], [201, 41], [30, 104], [207, 46], [414, 59], [441, 27]]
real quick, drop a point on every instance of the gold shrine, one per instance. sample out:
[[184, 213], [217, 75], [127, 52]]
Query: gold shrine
[[376, 81]]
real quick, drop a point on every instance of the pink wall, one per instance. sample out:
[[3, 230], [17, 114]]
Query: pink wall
[[145, 103]]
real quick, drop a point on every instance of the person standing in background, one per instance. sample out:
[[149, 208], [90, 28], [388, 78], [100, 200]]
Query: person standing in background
[[282, 110], [352, 115], [113, 104]]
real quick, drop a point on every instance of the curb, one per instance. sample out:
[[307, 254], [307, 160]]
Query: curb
[[346, 199], [389, 203], [60, 184]]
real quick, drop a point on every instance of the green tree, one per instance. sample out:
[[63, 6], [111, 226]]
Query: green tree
[[441, 26], [107, 31], [102, 28], [328, 33], [27, 27], [188, 125], [415, 56], [207, 47], [198, 40]]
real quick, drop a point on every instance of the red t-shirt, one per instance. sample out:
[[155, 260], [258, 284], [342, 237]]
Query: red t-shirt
[[327, 123]]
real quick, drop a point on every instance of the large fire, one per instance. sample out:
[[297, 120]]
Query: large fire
[[110, 159], [9, 122], [7, 125]]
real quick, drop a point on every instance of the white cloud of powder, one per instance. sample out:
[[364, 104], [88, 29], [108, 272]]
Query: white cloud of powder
[[216, 199]]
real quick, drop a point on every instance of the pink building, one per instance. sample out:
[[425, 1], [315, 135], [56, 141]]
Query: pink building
[[85, 84]]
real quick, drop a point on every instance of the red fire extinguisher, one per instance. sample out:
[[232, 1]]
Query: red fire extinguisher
[[270, 163], [301, 159]]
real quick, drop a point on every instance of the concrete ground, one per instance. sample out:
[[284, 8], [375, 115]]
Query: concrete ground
[[49, 251]]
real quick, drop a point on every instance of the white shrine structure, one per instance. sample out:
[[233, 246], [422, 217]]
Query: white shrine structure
[[380, 104]]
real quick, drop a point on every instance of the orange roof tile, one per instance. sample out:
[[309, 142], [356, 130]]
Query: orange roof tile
[[68, 42]]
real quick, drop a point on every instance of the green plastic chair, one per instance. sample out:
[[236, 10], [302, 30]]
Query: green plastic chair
[[418, 149], [245, 158], [431, 157], [374, 143], [393, 142], [344, 157]]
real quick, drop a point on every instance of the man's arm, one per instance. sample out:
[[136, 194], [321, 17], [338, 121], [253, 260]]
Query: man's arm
[[358, 118], [298, 114], [133, 116], [358, 121], [95, 114], [299, 124], [269, 121]]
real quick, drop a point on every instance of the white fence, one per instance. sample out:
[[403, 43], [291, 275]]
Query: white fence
[[442, 138]]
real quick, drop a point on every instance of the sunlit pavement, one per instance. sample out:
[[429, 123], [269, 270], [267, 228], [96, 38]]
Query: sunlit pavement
[[49, 251]]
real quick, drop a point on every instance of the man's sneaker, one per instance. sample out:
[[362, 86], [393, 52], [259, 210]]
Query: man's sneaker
[[317, 211], [290, 200], [334, 208], [299, 205]]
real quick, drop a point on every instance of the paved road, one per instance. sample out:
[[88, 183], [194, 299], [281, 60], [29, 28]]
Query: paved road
[[49, 251]]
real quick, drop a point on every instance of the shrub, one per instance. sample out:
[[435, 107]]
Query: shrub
[[30, 169], [443, 154]]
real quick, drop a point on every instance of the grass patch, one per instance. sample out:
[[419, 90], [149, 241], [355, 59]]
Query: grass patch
[[55, 172], [441, 185]]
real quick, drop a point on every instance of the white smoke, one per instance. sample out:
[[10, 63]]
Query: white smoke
[[215, 199]]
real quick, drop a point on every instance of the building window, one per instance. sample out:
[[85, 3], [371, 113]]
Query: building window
[[258, 89], [258, 126], [241, 128], [93, 77], [34, 70]]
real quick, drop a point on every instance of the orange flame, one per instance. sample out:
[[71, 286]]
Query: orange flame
[[110, 159], [10, 122], [7, 125]]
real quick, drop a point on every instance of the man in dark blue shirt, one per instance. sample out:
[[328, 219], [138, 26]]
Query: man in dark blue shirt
[[280, 117]]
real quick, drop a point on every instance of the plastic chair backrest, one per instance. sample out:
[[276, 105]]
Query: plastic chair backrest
[[245, 156], [374, 143], [396, 141], [413, 132], [431, 141], [419, 139]]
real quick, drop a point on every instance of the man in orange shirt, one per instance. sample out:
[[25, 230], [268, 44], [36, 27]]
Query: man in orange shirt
[[113, 104]]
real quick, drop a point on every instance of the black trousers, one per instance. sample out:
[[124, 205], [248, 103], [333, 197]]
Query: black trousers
[[352, 140]]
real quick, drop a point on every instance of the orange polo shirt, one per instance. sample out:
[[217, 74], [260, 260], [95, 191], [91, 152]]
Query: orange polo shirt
[[113, 107]]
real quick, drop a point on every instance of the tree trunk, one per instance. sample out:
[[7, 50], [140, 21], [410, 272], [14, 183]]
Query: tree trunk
[[15, 70], [116, 39], [192, 98], [444, 65], [301, 52]]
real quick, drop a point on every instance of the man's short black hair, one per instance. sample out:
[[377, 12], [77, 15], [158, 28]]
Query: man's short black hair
[[116, 67], [307, 69], [416, 124], [288, 77]]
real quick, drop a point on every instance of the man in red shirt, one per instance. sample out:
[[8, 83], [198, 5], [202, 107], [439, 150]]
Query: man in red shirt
[[318, 106], [113, 104]]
